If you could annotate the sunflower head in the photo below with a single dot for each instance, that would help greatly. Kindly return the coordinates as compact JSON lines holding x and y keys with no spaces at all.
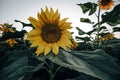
{"x":107,"y":37}
{"x":4,"y":28}
{"x":106,"y":4}
{"x":11,"y":42}
{"x":50,"y":32}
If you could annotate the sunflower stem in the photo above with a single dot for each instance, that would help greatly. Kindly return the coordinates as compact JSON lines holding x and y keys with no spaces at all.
{"x":51,"y":73}
{"x":57,"y":70}
{"x":98,"y":28}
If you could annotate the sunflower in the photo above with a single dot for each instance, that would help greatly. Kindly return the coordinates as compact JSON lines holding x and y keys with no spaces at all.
{"x":4,"y":29}
{"x":11,"y":41}
{"x":49,"y":33}
{"x":105,"y":4}
{"x":107,"y":37}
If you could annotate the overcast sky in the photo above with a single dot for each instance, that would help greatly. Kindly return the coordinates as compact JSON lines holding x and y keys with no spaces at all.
{"x":23,"y":9}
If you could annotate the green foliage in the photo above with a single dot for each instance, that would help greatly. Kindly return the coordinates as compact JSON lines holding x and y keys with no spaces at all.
{"x":24,"y":24}
{"x":85,"y":20}
{"x":116,"y":29}
{"x":95,"y":63}
{"x":85,"y":39}
{"x":91,"y":7}
{"x":80,"y":32}
{"x":113,"y":17}
{"x":19,"y":65}
{"x":16,"y":34}
{"x":90,"y":32}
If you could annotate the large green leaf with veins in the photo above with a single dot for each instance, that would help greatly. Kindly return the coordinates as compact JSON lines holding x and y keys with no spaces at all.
{"x":95,"y":63}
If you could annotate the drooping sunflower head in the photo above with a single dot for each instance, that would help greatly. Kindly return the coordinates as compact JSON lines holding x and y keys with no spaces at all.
{"x":107,"y":37}
{"x":106,"y":4}
{"x":4,"y":28}
{"x":11,"y":42}
{"x":50,"y":32}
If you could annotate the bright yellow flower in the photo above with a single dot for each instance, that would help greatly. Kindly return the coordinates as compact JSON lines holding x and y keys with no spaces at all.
{"x":106,"y":4}
{"x":11,"y":41}
{"x":49,"y":32}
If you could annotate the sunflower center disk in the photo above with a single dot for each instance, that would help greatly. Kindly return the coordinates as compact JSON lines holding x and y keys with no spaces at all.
{"x":105,"y":2}
{"x":51,"y":33}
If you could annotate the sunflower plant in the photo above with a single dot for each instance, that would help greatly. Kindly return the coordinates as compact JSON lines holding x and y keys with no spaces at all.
{"x":49,"y":52}
{"x":106,"y":12}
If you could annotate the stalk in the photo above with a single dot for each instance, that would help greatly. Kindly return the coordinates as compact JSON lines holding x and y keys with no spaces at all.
{"x":98,"y":28}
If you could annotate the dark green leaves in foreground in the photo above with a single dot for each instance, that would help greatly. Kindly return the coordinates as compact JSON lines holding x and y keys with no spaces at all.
{"x":17,"y":65}
{"x":20,"y":64}
{"x":95,"y":63}
{"x":91,"y":7}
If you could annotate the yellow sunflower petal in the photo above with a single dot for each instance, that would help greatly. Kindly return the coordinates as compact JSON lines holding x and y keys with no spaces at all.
{"x":55,"y":48}
{"x":40,"y":20}
{"x":47,"y":49}
{"x":34,"y":22}
{"x":62,"y":21}
{"x":56,"y":17}
{"x":62,"y":44}
{"x":40,"y":49}
{"x":66,"y":26}
{"x":47,"y":12}
{"x":33,"y":38}
{"x":66,"y":33}
{"x":34,"y":32}
{"x":44,"y":17}
{"x":51,"y":15}
{"x":35,"y":43}
{"x":65,"y":40}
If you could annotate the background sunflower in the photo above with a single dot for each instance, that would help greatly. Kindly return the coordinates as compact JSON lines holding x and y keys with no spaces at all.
{"x":106,"y":4}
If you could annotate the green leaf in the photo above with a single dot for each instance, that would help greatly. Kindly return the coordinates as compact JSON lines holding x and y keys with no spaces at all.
{"x":30,"y":70}
{"x":91,"y":7}
{"x":85,"y":39}
{"x":84,"y":46}
{"x":104,"y":34}
{"x":92,"y":31}
{"x":80,"y":32}
{"x":84,"y":8}
{"x":17,"y":65}
{"x":114,"y":24}
{"x":86,"y":20}
{"x":24,"y":24}
{"x":16,"y":34}
{"x":102,"y":27}
{"x":116,"y":29}
{"x":113,"y":17}
{"x":95,"y":63}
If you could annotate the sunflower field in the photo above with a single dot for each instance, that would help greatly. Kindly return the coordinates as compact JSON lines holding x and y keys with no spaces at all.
{"x":50,"y":52}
